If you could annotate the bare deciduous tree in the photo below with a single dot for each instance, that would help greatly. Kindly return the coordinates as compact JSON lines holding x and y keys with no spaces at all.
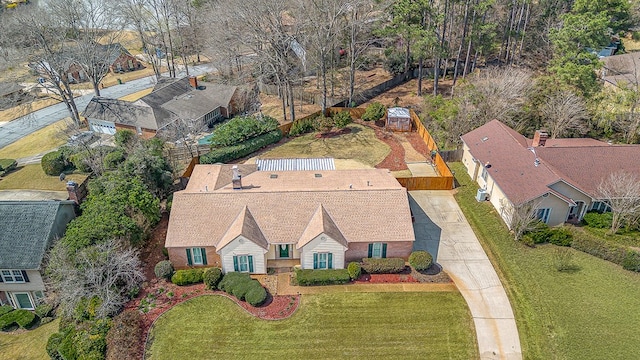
{"x":522,"y":218}
{"x":621,"y":190}
{"x":565,"y":112}
{"x":108,"y":271}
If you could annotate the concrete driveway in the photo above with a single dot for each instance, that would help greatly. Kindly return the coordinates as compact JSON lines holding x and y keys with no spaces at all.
{"x":442,"y":229}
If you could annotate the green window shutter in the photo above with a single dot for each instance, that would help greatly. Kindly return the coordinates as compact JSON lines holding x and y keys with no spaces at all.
{"x":250,"y":263}
{"x":384,"y":250}
{"x":330,"y":259}
{"x":370,"y":251}
{"x":189,"y":260}
{"x":315,"y":261}
{"x":203,"y":251}
{"x":235,"y":264}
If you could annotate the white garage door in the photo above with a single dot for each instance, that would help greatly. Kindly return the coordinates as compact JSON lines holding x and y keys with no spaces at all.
{"x":105,"y":127}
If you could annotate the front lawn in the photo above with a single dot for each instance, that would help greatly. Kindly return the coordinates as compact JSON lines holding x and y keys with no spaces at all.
{"x":32,"y":177}
{"x":339,"y":325}
{"x":591,"y":313}
{"x":40,"y":141}
{"x":27,"y":345}
{"x":360,"y":144}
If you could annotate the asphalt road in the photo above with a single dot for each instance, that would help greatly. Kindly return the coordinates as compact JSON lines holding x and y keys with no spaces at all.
{"x":25,"y":125}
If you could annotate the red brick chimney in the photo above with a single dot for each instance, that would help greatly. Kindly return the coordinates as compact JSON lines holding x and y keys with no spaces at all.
{"x":193,"y":81}
{"x":540,"y":138}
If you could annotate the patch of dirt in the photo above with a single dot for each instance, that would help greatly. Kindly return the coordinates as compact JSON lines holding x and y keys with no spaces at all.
{"x":407,"y":94}
{"x":151,"y":253}
{"x":332,"y":134}
{"x":160,"y":295}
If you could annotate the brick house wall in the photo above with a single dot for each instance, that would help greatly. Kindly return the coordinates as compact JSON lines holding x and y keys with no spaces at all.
{"x":178,"y":257}
{"x":126,"y":62}
{"x":398,"y":249}
{"x":146,"y":133}
{"x":76,"y":73}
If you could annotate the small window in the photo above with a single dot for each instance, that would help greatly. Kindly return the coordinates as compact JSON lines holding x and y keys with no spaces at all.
{"x":376,"y":251}
{"x":197,"y":256}
{"x":543,"y":214}
{"x":243,"y":263}
{"x":484,"y":174}
{"x":323,"y":261}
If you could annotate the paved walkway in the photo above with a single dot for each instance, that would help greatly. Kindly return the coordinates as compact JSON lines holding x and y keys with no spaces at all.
{"x":442,"y":229}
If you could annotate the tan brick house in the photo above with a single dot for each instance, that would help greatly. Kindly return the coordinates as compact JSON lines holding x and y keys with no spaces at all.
{"x":255,"y":220}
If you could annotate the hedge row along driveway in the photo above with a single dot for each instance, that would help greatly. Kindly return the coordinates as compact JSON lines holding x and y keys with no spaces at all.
{"x":342,"y":325}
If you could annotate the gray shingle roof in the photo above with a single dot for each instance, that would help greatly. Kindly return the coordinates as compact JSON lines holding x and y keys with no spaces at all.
{"x":120,"y":112}
{"x":26,"y":232}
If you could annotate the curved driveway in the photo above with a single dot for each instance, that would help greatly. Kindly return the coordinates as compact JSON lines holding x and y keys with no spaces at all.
{"x":442,"y":229}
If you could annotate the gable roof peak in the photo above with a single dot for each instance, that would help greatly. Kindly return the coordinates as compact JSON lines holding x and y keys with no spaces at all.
{"x":321,"y":223}
{"x":244,"y":225}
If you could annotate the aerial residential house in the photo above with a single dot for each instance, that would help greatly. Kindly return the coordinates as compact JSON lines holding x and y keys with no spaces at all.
{"x":622,"y":71}
{"x":29,"y":229}
{"x":242,"y":219}
{"x":172,"y":106}
{"x":559,"y":176}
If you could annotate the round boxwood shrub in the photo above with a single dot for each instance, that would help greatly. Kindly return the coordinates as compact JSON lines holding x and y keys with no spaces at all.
{"x":354,"y":270}
{"x":420,"y":260}
{"x":212,"y":277}
{"x":163,"y":269}
{"x":374,"y":112}
{"x":53,"y":163}
{"x":342,"y":119}
{"x":256,"y":294}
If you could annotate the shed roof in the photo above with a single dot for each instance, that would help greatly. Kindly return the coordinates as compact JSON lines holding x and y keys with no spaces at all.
{"x":398,"y":112}
{"x":295,"y":164}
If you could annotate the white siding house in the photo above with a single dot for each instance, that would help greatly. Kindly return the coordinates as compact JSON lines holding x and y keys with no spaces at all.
{"x":244,"y":255}
{"x":312,"y":258}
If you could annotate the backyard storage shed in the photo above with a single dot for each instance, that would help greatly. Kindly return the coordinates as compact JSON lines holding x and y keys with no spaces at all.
{"x":398,"y":119}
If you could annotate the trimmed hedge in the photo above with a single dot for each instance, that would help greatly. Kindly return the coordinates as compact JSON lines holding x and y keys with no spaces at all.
{"x":44,"y":310}
{"x":310,"y":277}
{"x":600,"y":248}
{"x":631,"y":260}
{"x":354,"y":269}
{"x":420,"y":260}
{"x":4,"y":309}
{"x":374,"y":112}
{"x":187,"y":277}
{"x":597,"y":220}
{"x":7,"y":165}
{"x":383,"y":266}
{"x":240,"y":129}
{"x":53,"y":163}
{"x":212,"y":277}
{"x":24,"y":319}
{"x":163,"y":269}
{"x":230,"y":153}
{"x":560,"y":236}
{"x":243,"y":287}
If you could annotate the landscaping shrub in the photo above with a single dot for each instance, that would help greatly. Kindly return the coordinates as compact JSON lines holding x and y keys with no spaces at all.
{"x":44,"y":310}
{"x":230,"y":280}
{"x":597,"y":220}
{"x":53,"y":344}
{"x":309,"y":277}
{"x":420,"y":260}
{"x":599,"y":248}
{"x":212,"y":277}
{"x":240,"y":129}
{"x":21,"y":317}
{"x":374,"y":112}
{"x":342,"y":119}
{"x":53,"y":163}
{"x":560,"y":236}
{"x":563,"y":259}
{"x":5,"y":309}
{"x":80,"y":341}
{"x":354,"y":269}
{"x":631,"y":260}
{"x":541,"y":235}
{"x":230,"y":153}
{"x":113,"y":159}
{"x":46,"y":320}
{"x":240,"y":289}
{"x":256,"y":294}
{"x":303,"y":126}
{"x":124,"y":138}
{"x":163,"y":269}
{"x":383,"y":266}
{"x":7,"y":165}
{"x":124,"y":336}
{"x":325,"y":123}
{"x":187,"y":277}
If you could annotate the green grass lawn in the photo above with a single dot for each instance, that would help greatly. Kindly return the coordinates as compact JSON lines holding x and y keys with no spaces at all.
{"x":623,"y":237}
{"x":37,"y":142}
{"x":33,"y":177}
{"x":361,"y":145}
{"x":326,"y":326}
{"x":591,"y":313}
{"x":28,"y":345}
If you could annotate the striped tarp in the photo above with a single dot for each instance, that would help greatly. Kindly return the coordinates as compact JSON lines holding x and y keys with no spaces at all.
{"x":295,"y":164}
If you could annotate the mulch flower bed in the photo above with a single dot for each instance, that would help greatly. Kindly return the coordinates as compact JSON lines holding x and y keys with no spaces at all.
{"x":158,"y":296}
{"x":385,"y":278}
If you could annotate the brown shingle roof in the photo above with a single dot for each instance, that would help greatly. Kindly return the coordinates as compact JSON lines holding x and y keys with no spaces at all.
{"x":283,"y":207}
{"x":246,"y":226}
{"x":320,"y":223}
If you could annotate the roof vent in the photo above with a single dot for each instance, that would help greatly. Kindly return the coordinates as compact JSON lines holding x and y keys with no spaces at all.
{"x":485,"y":138}
{"x":273,"y":176}
{"x":318,"y":175}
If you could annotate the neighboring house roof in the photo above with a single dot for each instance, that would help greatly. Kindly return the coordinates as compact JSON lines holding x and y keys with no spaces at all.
{"x":120,"y":112}
{"x":622,"y":69}
{"x":582,"y":163}
{"x":7,"y":88}
{"x":113,"y":51}
{"x":26,"y":232}
{"x":351,"y":205}
{"x":295,"y":164}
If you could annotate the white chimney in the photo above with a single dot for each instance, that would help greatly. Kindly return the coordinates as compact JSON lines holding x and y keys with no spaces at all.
{"x":236,"y":180}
